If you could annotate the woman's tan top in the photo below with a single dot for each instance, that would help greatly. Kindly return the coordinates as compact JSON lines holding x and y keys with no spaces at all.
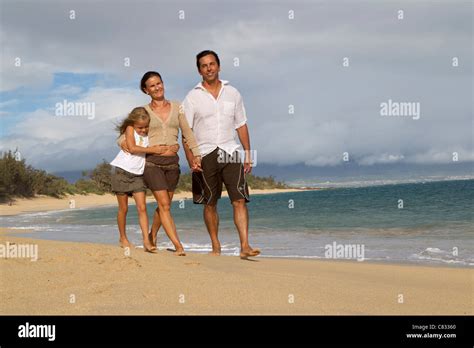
{"x":166,"y":132}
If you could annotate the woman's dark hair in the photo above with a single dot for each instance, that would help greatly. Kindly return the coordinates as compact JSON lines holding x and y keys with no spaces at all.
{"x":146,"y":77}
{"x":205,"y":53}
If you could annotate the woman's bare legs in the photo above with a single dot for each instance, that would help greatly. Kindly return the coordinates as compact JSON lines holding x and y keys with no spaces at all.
{"x":122,"y":220}
{"x":155,"y":227}
{"x":164,"y":207}
{"x":140,"y":201}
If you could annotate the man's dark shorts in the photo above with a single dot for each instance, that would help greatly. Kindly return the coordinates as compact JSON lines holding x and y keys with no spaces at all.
{"x":218,"y":167}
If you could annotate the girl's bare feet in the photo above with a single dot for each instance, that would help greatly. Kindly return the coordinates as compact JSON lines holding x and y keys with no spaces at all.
{"x":124,"y":243}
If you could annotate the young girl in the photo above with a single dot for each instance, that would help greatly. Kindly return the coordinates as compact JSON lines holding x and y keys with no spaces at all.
{"x":127,"y":179}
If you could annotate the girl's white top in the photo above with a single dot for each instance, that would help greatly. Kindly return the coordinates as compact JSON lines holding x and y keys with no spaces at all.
{"x":132,"y":163}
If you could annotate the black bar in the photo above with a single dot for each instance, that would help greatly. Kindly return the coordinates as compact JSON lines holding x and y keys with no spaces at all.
{"x":221,"y":330}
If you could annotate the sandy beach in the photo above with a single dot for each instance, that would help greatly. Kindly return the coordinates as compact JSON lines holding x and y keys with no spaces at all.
{"x":82,"y":278}
{"x":45,"y":203}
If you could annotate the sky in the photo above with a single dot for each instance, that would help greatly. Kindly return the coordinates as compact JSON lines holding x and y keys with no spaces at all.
{"x":313,"y":75}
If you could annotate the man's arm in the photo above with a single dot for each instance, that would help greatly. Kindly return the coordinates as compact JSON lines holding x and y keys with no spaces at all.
{"x":243,"y":133}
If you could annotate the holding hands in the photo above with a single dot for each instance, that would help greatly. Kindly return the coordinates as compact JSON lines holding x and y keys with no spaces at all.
{"x":195,"y":164}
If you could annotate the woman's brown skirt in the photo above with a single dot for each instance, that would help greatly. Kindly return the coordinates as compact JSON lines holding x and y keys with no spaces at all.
{"x":161,"y":172}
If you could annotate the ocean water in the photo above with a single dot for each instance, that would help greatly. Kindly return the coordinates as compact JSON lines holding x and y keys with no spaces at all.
{"x":435,"y":225}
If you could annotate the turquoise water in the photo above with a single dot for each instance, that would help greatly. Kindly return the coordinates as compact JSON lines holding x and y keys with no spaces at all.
{"x":434,"y":226}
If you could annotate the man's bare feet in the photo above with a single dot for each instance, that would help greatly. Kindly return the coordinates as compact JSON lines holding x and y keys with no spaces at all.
{"x":216,"y":249}
{"x":249,"y":252}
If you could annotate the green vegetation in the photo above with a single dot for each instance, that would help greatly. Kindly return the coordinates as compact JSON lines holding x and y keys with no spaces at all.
{"x":264,"y":183}
{"x":20,"y":180}
{"x":97,"y":181}
{"x":255,"y":182}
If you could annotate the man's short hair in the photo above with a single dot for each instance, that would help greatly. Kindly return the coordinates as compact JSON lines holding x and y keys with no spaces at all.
{"x":205,"y":53}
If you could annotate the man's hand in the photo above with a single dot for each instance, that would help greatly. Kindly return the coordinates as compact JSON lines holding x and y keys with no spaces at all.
{"x":243,"y":133}
{"x":197,"y":164}
{"x":247,"y":164}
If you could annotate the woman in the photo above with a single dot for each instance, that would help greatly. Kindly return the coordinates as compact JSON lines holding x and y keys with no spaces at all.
{"x":162,"y":171}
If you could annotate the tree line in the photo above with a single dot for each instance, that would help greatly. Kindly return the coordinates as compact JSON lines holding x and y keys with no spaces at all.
{"x":17,"y":179}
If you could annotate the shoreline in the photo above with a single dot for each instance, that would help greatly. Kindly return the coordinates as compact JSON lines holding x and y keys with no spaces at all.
{"x":12,"y":232}
{"x":103,"y":280}
{"x":46,"y":203}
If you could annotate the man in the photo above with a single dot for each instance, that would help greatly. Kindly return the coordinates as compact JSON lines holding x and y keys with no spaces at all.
{"x":214,"y":111}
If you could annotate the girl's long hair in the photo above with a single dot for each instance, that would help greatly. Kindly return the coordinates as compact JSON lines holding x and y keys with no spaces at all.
{"x":137,"y":114}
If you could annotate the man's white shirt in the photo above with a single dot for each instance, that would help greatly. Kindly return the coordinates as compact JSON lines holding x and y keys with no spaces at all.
{"x":214,"y":121}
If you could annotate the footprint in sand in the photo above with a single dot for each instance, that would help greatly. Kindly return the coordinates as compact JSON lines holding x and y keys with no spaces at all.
{"x":124,"y":263}
{"x":192,"y":263}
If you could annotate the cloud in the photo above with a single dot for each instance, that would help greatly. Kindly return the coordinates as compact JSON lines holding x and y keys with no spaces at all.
{"x":282,"y":62}
{"x":67,"y":90}
{"x":73,"y":142}
{"x":8,"y":103}
{"x":457,"y":155}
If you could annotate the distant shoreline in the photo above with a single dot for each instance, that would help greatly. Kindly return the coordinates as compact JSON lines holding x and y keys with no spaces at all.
{"x":377,"y":182}
{"x":46,"y":203}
